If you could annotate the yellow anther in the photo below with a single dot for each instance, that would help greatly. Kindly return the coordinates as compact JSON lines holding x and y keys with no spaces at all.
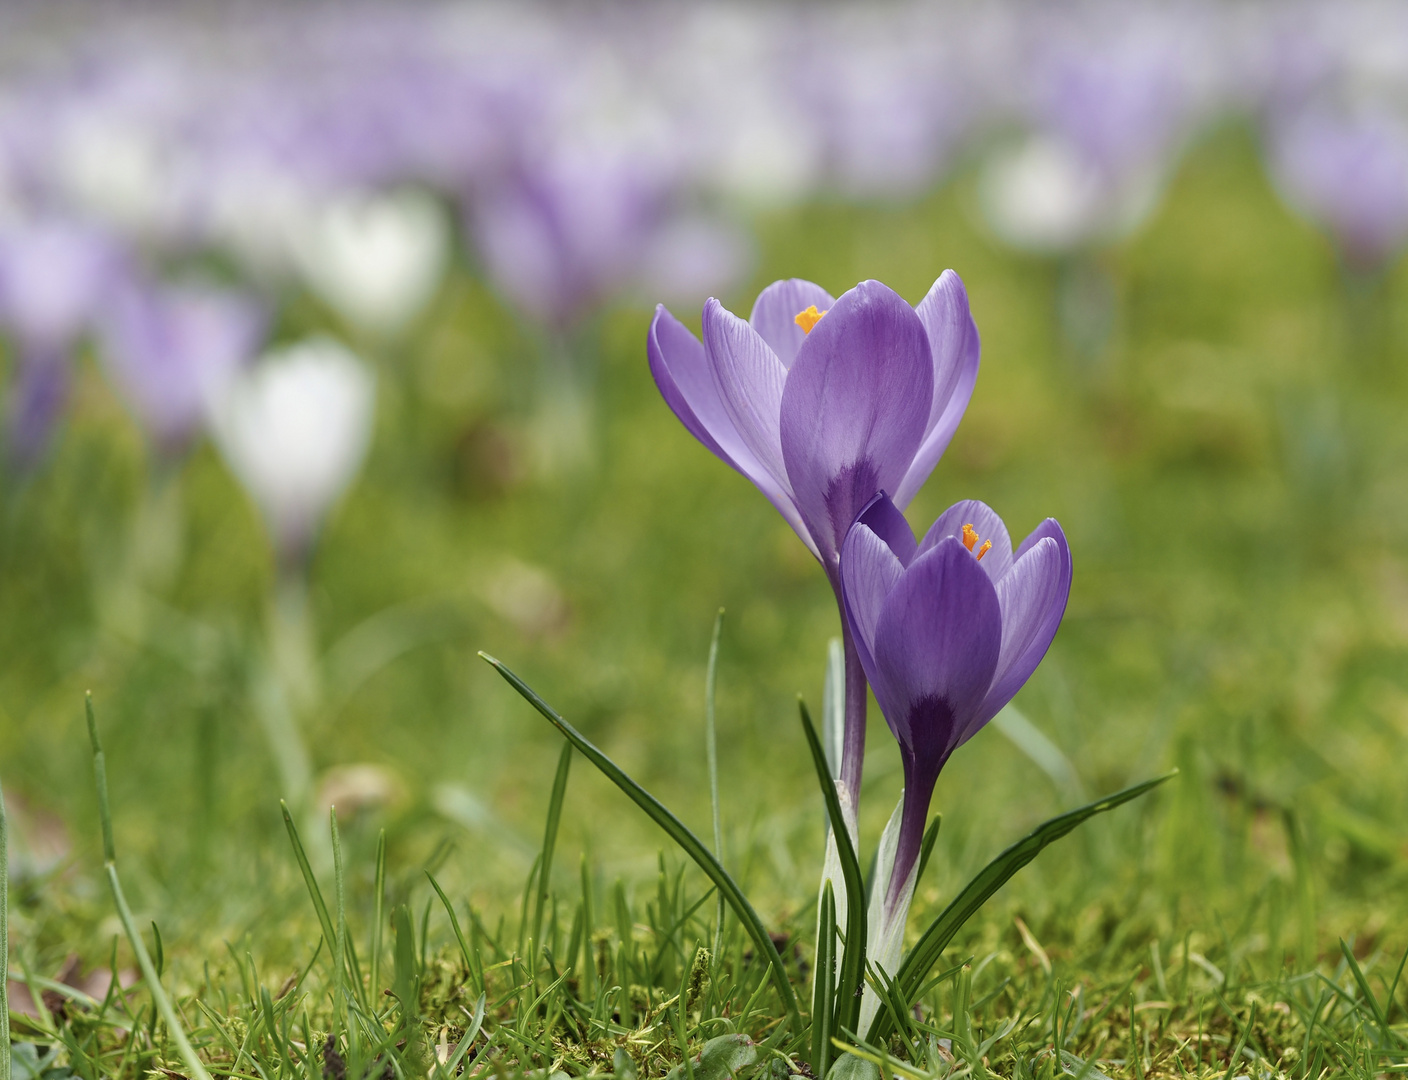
{"x":809,"y":318}
{"x":970,"y":537}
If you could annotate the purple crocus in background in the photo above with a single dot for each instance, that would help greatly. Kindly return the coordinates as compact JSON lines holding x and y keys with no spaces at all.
{"x":1348,"y":173}
{"x":54,"y":272}
{"x":171,"y":350}
{"x":822,"y":403}
{"x":948,"y":630}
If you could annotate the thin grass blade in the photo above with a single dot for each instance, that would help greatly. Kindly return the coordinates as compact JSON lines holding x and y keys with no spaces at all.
{"x":319,"y":904}
{"x":174,"y":1029}
{"x":823,"y":991}
{"x":378,"y":900}
{"x":850,"y":982}
{"x":690,"y":844}
{"x":559,"y":792}
{"x":920,"y":960}
{"x":711,"y":746}
{"x":470,"y":959}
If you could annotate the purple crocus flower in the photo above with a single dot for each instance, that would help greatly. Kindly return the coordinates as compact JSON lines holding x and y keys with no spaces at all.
{"x":171,"y":349}
{"x":822,"y":403}
{"x":54,"y":273}
{"x":947,"y":630}
{"x":1349,"y":173}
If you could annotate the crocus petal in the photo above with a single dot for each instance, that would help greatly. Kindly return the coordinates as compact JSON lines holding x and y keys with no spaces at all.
{"x":854,"y":408}
{"x":936,"y":647}
{"x":749,"y":379}
{"x":775,"y":315}
{"x":884,"y":519}
{"x":681,"y":370}
{"x":953,"y":342}
{"x":1033,"y":597}
{"x":986,"y":524}
{"x":869,"y":571}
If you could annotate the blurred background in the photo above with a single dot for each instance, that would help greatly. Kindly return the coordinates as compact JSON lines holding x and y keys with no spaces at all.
{"x":323,"y":368}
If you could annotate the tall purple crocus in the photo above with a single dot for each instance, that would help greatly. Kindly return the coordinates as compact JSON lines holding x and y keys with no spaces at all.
{"x":947,"y":630}
{"x":822,"y":403}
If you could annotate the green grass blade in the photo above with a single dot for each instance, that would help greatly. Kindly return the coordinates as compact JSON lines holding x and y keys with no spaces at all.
{"x":4,"y":942}
{"x":849,"y":984}
{"x":711,"y":746}
{"x":823,"y":990}
{"x":677,"y":831}
{"x":174,"y":1028}
{"x":920,"y":960}
{"x":559,"y":792}
{"x":378,"y":900}
{"x":339,"y":967}
{"x":319,"y":905}
{"x":469,"y":957}
{"x":588,"y":927}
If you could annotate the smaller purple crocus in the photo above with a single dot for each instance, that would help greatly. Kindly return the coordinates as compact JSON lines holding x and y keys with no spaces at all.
{"x":948,"y":630}
{"x":821,"y":403}
{"x":171,"y":350}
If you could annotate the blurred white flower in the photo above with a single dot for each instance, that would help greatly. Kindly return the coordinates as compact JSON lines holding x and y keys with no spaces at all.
{"x":1043,"y":195}
{"x":377,"y":259}
{"x":294,"y":430}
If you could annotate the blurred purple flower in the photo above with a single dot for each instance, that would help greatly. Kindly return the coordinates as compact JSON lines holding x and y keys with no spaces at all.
{"x":171,"y":350}
{"x":566,"y":229}
{"x":1350,"y":175}
{"x":822,"y":403}
{"x":947,"y":630}
{"x":54,"y":273}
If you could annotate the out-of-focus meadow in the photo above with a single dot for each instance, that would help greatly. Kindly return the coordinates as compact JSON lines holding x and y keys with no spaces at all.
{"x":1198,"y":362}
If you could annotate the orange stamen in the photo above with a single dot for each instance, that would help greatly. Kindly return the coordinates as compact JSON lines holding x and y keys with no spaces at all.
{"x":970,"y":537}
{"x":809,"y":318}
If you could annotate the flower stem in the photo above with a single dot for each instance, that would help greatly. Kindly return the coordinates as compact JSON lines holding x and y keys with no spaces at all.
{"x":853,"y":746}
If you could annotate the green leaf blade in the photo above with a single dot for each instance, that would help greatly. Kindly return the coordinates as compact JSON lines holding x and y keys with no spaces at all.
{"x":919,"y":961}
{"x":676,"y":829}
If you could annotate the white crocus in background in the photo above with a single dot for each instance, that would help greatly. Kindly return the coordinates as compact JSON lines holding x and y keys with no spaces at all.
{"x":1043,"y":195}
{"x":294,"y":430}
{"x":377,"y":259}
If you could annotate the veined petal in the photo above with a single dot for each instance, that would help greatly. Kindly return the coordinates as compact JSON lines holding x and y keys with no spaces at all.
{"x":986,"y":524}
{"x":680,"y":366}
{"x":775,"y":313}
{"x":854,"y":408}
{"x":681,"y":372}
{"x":955,"y":347}
{"x":749,"y":380}
{"x":937,"y":643}
{"x":869,"y":571}
{"x":1033,"y":598}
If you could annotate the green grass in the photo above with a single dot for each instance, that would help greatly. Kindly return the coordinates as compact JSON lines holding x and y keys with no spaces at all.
{"x":1230,"y":469}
